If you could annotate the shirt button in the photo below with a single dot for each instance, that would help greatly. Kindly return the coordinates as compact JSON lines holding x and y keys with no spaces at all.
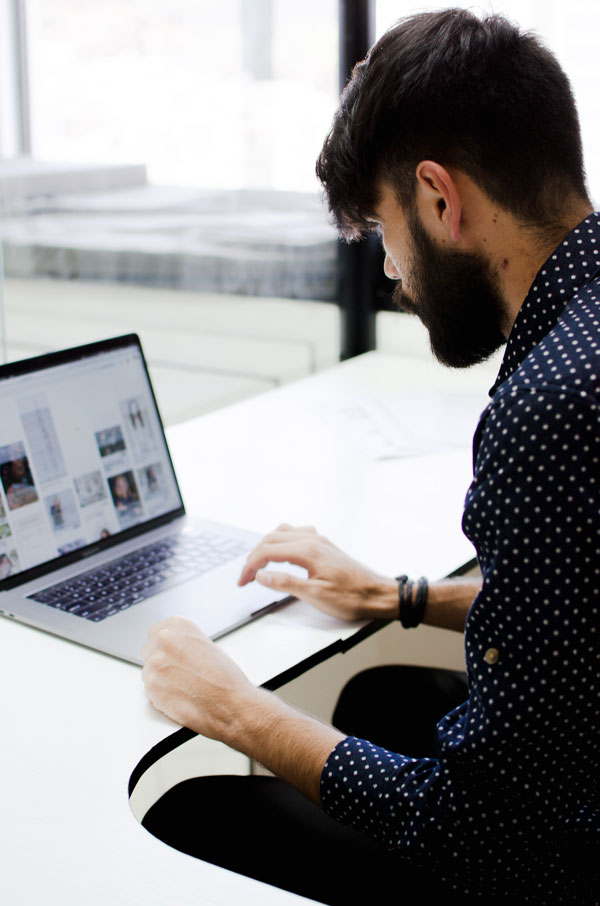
{"x":491,"y":656}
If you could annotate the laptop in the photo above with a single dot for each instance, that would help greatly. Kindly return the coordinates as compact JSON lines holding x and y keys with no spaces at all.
{"x":95,"y":544}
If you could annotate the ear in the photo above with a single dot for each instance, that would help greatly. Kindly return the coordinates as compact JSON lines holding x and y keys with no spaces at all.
{"x":438,"y":200}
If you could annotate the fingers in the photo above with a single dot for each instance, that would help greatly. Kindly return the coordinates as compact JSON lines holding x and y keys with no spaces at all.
{"x":282,"y":582}
{"x":287,"y":536}
{"x":284,"y":534}
{"x":279,"y":550}
{"x":286,"y":527}
{"x":172,"y":625}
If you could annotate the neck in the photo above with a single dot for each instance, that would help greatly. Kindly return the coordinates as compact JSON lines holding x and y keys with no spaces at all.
{"x":520,"y":253}
{"x":515,"y":251}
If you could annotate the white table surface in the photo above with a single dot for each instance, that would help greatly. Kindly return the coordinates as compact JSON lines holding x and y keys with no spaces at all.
{"x":75,"y":721}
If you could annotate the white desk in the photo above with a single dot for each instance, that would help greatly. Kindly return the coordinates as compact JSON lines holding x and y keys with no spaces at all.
{"x":75,"y":722}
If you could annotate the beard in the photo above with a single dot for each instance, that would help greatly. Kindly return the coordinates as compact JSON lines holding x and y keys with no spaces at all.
{"x":457,"y":298}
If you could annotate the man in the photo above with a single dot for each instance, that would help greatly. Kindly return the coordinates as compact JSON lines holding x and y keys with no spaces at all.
{"x":457,"y":138}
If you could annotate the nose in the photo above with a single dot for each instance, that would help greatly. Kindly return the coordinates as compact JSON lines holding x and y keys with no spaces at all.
{"x":390,"y":269}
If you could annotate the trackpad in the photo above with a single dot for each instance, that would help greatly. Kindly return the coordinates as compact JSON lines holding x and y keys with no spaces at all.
{"x":214,"y":600}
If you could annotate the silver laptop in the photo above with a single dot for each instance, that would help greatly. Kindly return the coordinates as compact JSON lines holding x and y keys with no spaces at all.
{"x":95,"y":545}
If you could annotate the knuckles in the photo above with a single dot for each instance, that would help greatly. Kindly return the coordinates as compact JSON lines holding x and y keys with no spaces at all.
{"x":165,"y":642}
{"x":313,"y":548}
{"x":157,"y":664}
{"x":181,"y":623}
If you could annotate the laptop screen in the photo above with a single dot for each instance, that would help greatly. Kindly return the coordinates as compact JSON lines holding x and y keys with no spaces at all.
{"x":83,"y":457}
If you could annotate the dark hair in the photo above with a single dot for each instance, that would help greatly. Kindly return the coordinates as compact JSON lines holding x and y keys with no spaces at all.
{"x":476,"y":94}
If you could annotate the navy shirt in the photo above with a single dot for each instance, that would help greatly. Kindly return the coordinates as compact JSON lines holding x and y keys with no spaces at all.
{"x":511,"y":805}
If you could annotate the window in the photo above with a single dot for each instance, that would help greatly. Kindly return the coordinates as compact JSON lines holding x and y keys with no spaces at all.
{"x":235,"y":94}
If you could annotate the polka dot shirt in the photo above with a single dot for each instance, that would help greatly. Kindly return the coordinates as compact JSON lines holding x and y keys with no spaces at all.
{"x":511,"y":805}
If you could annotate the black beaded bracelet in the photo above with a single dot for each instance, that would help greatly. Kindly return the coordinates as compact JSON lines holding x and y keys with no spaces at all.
{"x":411,"y":614}
{"x":418,"y":611}
{"x":402,"y":582}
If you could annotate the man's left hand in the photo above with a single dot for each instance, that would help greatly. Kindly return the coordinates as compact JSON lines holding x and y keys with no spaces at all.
{"x":191,"y":680}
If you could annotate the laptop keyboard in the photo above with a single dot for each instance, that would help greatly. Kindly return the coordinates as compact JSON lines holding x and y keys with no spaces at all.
{"x":115,"y":586}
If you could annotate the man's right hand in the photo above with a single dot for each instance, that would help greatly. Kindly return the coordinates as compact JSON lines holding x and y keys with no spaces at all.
{"x":336,"y":584}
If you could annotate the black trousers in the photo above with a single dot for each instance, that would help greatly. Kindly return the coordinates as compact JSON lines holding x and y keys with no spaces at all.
{"x":261,"y":827}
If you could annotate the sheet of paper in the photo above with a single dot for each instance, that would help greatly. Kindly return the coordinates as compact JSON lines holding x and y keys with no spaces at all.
{"x":407,"y":424}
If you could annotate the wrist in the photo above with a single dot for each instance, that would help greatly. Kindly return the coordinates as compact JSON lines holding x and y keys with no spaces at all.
{"x":387,"y":599}
{"x":247,"y":716}
{"x":378,"y":600}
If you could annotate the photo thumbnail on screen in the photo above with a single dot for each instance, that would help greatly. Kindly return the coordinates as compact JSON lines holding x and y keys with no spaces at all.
{"x":125,"y":496}
{"x":16,"y":476}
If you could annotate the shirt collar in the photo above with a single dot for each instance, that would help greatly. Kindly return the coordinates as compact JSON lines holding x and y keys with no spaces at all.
{"x":570,"y":266}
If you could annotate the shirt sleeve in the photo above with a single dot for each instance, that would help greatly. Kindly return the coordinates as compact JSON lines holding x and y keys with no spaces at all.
{"x":516,"y":764}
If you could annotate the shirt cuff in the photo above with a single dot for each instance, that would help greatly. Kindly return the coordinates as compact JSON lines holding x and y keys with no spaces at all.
{"x":355,"y":784}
